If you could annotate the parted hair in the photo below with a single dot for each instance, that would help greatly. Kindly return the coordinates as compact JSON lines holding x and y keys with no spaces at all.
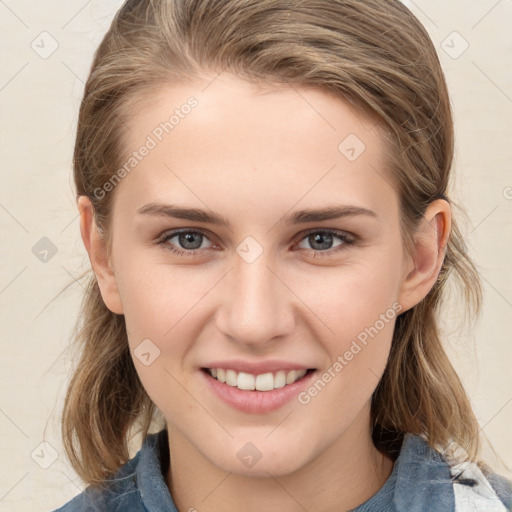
{"x":373,"y":54}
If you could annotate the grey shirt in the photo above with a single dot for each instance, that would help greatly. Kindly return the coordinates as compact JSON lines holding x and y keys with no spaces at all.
{"x":421,"y":481}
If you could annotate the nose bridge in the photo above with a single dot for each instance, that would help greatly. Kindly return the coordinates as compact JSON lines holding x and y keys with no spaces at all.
{"x":257,"y":306}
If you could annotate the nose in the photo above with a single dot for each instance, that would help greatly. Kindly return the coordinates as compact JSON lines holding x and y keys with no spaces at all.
{"x":256,"y":307}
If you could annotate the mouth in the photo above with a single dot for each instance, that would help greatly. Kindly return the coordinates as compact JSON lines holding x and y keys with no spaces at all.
{"x":268,"y":381}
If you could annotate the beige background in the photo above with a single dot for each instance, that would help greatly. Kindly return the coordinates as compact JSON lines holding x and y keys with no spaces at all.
{"x":39,"y":99}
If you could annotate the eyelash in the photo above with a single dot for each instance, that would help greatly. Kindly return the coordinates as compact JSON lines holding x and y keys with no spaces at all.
{"x":347,"y":240}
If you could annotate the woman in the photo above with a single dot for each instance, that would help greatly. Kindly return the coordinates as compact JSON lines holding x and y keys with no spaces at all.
{"x":262,"y":188}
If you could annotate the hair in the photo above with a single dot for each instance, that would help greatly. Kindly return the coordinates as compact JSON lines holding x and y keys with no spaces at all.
{"x":374,"y":55}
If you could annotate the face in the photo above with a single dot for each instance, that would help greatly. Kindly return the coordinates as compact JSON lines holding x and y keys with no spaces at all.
{"x":220,"y":263}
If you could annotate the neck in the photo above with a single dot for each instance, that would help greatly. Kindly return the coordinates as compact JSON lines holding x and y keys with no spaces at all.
{"x":342,"y":477}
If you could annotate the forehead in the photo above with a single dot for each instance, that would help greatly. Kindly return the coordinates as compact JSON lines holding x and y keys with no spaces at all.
{"x":226,"y":139}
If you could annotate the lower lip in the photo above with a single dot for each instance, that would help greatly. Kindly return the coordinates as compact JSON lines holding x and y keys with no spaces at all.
{"x":257,"y":402}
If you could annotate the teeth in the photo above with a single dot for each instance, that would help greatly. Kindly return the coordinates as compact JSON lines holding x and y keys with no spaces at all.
{"x":265,"y":382}
{"x":245,"y":381}
{"x":280,"y":379}
{"x":262,"y":382}
{"x":291,"y":377}
{"x":231,"y":378}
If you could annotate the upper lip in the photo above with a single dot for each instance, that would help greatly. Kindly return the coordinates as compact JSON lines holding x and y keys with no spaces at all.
{"x":257,"y":368}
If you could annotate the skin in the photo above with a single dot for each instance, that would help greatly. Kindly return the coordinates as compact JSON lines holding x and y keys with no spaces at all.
{"x":255,"y":155}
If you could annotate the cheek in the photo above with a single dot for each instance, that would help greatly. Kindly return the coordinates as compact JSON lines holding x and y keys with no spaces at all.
{"x":357,"y":358}
{"x":160,"y":307}
{"x":157,"y":297}
{"x":349,"y":298}
{"x":359,"y":306}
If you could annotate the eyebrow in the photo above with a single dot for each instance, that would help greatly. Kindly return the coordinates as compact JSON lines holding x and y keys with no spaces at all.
{"x":299,"y":217}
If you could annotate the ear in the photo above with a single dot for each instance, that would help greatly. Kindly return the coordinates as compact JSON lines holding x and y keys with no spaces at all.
{"x":96,"y":246}
{"x":429,"y":249}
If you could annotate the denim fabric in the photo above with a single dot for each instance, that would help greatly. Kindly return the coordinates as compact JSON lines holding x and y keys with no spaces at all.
{"x":139,"y":486}
{"x":420,"y":482}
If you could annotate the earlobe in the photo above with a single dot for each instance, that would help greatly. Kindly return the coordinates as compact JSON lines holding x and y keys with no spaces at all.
{"x":429,"y":249}
{"x":95,"y":244}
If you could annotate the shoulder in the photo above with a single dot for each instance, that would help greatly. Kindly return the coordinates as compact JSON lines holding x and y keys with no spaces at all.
{"x":123,"y":491}
{"x":137,"y":486}
{"x":118,"y":493}
{"x":461,"y":486}
{"x":426,"y":479}
{"x":476,"y":490}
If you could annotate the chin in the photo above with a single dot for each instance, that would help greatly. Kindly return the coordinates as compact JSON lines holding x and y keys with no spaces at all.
{"x":261,"y":459}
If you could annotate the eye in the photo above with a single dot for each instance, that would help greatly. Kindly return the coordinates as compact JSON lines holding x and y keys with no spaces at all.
{"x":189,"y":240}
{"x":322,"y":241}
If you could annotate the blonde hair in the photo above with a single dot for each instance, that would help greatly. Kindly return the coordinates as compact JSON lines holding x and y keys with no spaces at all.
{"x":375,"y":55}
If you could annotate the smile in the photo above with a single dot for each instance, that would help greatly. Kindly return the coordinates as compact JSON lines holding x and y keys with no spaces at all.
{"x":257,"y":393}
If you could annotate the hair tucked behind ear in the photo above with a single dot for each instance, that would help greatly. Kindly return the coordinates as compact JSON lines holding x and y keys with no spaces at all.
{"x":375,"y":55}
